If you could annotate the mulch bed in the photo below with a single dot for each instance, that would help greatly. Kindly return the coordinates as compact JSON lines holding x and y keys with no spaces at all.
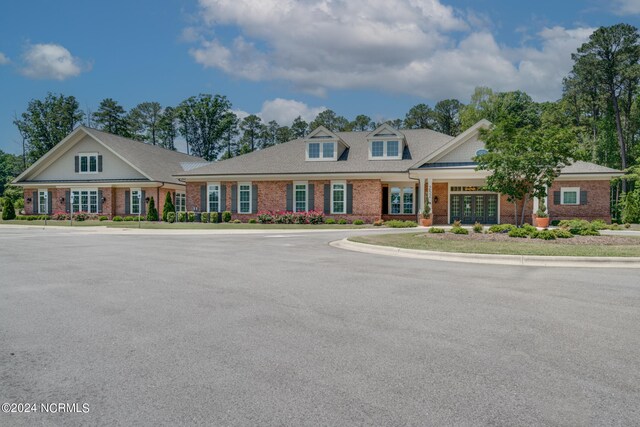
{"x":503,"y":237}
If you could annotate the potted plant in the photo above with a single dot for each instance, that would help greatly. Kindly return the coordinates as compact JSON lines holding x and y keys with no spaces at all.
{"x":542,"y":218}
{"x":426,"y":219}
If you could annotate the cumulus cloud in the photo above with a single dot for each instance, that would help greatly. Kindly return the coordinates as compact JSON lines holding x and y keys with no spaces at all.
{"x":284,"y":111}
{"x":626,"y":7}
{"x":419,"y":47}
{"x":3,"y":59}
{"x":50,"y":61}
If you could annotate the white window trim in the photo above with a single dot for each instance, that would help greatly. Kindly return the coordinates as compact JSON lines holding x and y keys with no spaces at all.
{"x":87,"y":155}
{"x":139,"y":190}
{"x":88,"y":190}
{"x":564,"y":190}
{"x":402,"y":187}
{"x":322,"y":158}
{"x":209,"y":185}
{"x":183,"y":195}
{"x":385,"y":143}
{"x":46,"y":204}
{"x":250,"y":198}
{"x":306,"y":195}
{"x":344,"y":183}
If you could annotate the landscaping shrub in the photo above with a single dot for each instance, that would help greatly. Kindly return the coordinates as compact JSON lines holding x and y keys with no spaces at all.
{"x":329,"y":221}
{"x":129,"y":218}
{"x":400,"y":224}
{"x":265,"y":217}
{"x":103,"y":218}
{"x":299,"y":218}
{"x":630,"y":204}
{"x":562,"y":234}
{"x":598,"y":224}
{"x":59,"y":216}
{"x":342,"y":221}
{"x":501,"y":228}
{"x":80,"y":216}
{"x":226,"y":216}
{"x":378,"y":223}
{"x":358,"y":222}
{"x":252,"y":221}
{"x":530,"y":228}
{"x":152,"y":212}
{"x":459,"y":230}
{"x":555,"y":222}
{"x":168,"y":207}
{"x":477,"y":227}
{"x":614,"y":226}
{"x":544,"y":235}
{"x":579,"y":226}
{"x":627,"y":225}
{"x":436,"y":230}
{"x":518,"y":232}
{"x":237,"y":221}
{"x":589,"y":232}
{"x":213,"y":217}
{"x":32,"y":217}
{"x":8,"y":211}
{"x":171,"y":217}
{"x":117,"y":218}
{"x":457,"y":223}
{"x":191,"y":216}
{"x":182,"y":216}
{"x":204,"y":217}
{"x":315,"y":217}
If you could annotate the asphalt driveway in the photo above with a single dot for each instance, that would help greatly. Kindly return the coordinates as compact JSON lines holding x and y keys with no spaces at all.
{"x":282,"y":329}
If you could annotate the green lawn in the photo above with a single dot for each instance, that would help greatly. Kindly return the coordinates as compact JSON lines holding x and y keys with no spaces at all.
{"x":191,"y":225}
{"x":513,"y":246}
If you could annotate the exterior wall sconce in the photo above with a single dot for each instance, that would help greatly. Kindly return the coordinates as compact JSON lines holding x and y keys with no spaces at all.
{"x":61,"y":199}
{"x":28,"y":199}
{"x":146,"y":199}
{"x":104,"y":199}
{"x":435,"y":200}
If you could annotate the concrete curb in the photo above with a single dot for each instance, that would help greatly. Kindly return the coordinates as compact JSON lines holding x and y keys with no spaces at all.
{"x":525,"y":260}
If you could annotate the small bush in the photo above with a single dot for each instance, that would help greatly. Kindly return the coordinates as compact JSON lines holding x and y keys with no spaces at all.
{"x":562,"y":234}
{"x":530,"y":228}
{"x":80,"y":216}
{"x":575,"y":226}
{"x":60,"y":216}
{"x":477,"y":227}
{"x":589,"y":232}
{"x":8,"y":211}
{"x":544,"y":235}
{"x":204,"y":217}
{"x":342,"y":221}
{"x":236,"y":221}
{"x":598,"y":224}
{"x":182,"y":216}
{"x":152,"y":212}
{"x":358,"y":222}
{"x":330,"y":221}
{"x":168,"y":208}
{"x":265,"y":217}
{"x":378,"y":223}
{"x":253,"y":221}
{"x":518,"y":232}
{"x":400,"y":224}
{"x":117,"y":218}
{"x":501,"y":228}
{"x":436,"y":230}
{"x":191,"y":216}
{"x":627,"y":225}
{"x":129,"y":218}
{"x":226,"y":216}
{"x":213,"y":217}
{"x":555,"y":222}
{"x":171,"y":217}
{"x":613,"y":226}
{"x":459,"y":230}
{"x":102,"y":218}
{"x":457,"y":223}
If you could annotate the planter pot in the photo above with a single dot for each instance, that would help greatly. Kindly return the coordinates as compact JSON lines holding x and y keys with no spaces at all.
{"x":426,"y":222}
{"x":542,"y":222}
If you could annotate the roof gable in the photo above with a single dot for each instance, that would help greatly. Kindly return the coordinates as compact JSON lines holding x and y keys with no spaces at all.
{"x":385,"y":131}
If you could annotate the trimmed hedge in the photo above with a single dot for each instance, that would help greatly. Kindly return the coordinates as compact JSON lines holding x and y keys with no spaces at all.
{"x":394,"y":223}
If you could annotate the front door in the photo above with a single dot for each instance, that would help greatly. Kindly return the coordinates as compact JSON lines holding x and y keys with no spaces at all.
{"x":471,"y":208}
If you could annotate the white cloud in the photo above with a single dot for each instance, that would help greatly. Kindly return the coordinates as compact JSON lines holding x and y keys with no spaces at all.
{"x":284,"y":111}
{"x":3,"y":59}
{"x":626,"y":7}
{"x":51,"y":61}
{"x":419,"y":47}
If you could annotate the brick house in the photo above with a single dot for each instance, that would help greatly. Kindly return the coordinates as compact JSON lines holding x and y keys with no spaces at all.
{"x":100,"y":173}
{"x":386,"y":173}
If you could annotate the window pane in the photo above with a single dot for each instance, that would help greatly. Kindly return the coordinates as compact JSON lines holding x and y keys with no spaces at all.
{"x":314,"y":150}
{"x":395,"y":200}
{"x":245,"y":199}
{"x":407,"y":199}
{"x":214,"y":198}
{"x":93,"y":202}
{"x":75,"y":201}
{"x":338,"y":198}
{"x":392,"y":148}
{"x":83,"y":164}
{"x":42,"y":202}
{"x":377,"y":149}
{"x":93,"y":164}
{"x":301,"y":198}
{"x":570,"y":197}
{"x":466,"y":212}
{"x":135,"y":202}
{"x":327,"y":149}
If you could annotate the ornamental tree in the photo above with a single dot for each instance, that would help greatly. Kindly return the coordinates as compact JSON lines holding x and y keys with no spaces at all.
{"x":152,"y":212}
{"x":168,"y":207}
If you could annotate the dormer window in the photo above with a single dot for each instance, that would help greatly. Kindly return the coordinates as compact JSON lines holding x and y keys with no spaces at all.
{"x":321,"y":151}
{"x":323,"y":145}
{"x":328,"y":150}
{"x":314,"y":150}
{"x":383,"y":150}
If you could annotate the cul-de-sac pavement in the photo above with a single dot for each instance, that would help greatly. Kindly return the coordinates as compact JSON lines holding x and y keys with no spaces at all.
{"x":152,"y":328}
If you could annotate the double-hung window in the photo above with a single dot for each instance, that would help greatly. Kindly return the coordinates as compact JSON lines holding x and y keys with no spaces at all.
{"x":314,"y":150}
{"x":338,"y":197}
{"x":88,"y":163}
{"x":244,"y":198}
{"x":214,"y":197}
{"x":401,"y":200}
{"x":136,"y":200}
{"x":84,"y":201}
{"x":181,"y":202}
{"x":321,"y":150}
{"x":301,"y":190}
{"x":43,"y":202}
{"x":385,"y":150}
{"x":328,"y":149}
{"x":570,"y":195}
{"x":377,"y":148}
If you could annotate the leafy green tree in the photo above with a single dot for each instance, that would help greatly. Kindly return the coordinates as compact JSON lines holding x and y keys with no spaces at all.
{"x":299,"y":128}
{"x":168,"y":207}
{"x":203,"y":125}
{"x":270,"y":134}
{"x":10,"y":167}
{"x":479,"y":107}
{"x":144,"y":121}
{"x":111,"y":117}
{"x":8,"y":212}
{"x":362,"y":123}
{"x":253,"y":131}
{"x":47,"y":122}
{"x":419,"y":117}
{"x":152,"y":212}
{"x":446,"y":117}
{"x":230,"y":137}
{"x":167,"y":130}
{"x":284,"y":134}
{"x":330,"y":120}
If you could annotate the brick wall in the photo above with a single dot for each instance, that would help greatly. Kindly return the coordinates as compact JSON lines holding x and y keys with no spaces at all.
{"x":598,"y":200}
{"x":441,"y":209}
{"x":507,"y":211}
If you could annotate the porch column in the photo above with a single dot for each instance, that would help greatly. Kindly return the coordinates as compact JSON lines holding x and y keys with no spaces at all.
{"x":421,"y":195}
{"x":430,"y":194}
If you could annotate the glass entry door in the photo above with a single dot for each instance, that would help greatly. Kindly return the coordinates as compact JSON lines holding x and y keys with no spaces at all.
{"x":471,"y":208}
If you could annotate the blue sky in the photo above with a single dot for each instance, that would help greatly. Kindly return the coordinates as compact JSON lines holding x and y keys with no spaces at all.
{"x":283,"y":58}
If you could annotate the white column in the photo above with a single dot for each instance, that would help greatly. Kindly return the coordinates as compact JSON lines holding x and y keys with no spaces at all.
{"x":430,"y":193}
{"x":536,"y":204}
{"x":421,"y":195}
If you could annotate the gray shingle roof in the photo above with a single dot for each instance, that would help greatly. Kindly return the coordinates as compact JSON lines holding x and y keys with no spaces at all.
{"x":289,"y":158}
{"x":160,"y":164}
{"x":580,"y":167}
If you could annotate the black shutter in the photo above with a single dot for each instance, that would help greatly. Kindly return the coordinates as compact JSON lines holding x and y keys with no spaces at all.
{"x":556,"y":198}
{"x":100,"y":163}
{"x":254,"y":198}
{"x":67,"y":201}
{"x":50,"y":203}
{"x":310,"y":197}
{"x":203,"y":198}
{"x":77,"y":160}
{"x":35,"y":205}
{"x":143,"y":203}
{"x":385,"y":200}
{"x":234,"y":198}
{"x":583,"y":197}
{"x":349,"y":198}
{"x":127,"y":202}
{"x":327,"y":199}
{"x":289,"y":197}
{"x":223,"y":198}
{"x":100,"y":201}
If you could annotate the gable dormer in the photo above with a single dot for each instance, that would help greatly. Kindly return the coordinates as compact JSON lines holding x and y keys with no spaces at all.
{"x":323,"y":145}
{"x":386,"y":143}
